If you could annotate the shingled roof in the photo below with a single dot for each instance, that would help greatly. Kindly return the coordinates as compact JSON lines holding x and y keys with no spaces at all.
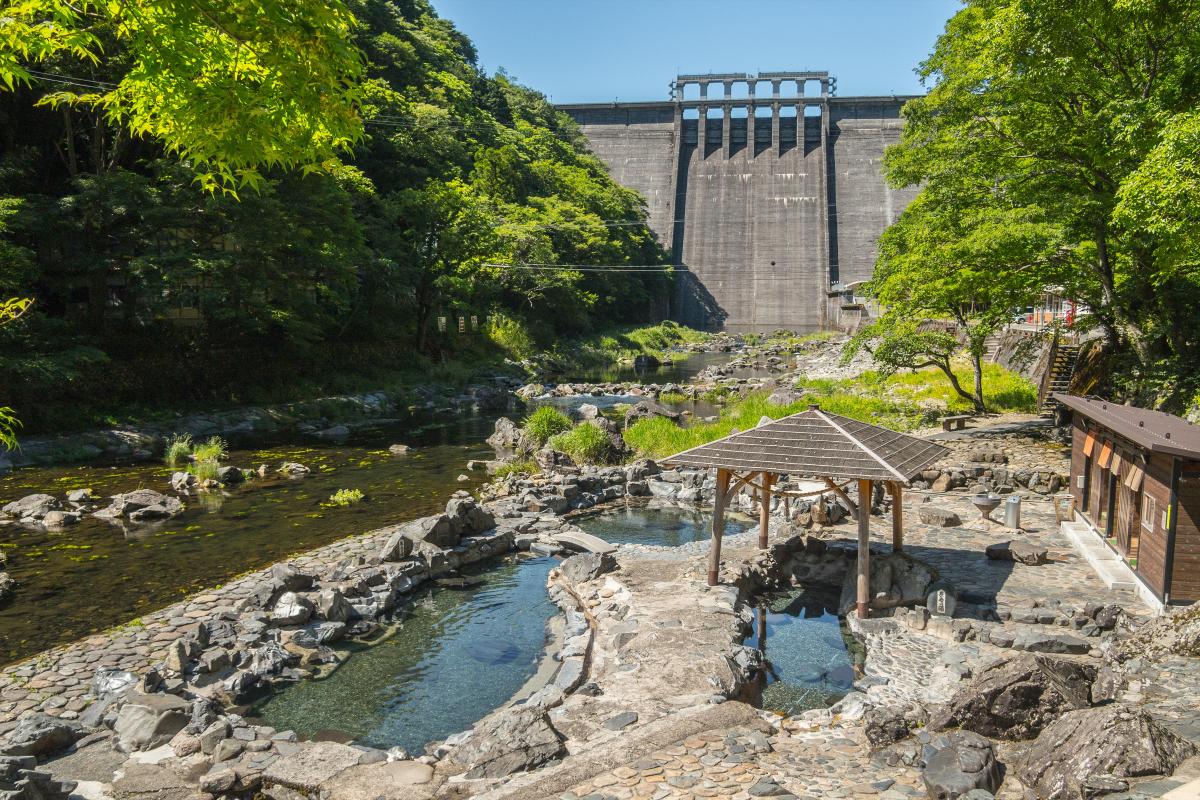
{"x":818,"y":444}
{"x":1151,"y":430}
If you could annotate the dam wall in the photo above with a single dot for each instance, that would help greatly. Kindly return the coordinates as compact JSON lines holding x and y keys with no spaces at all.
{"x":770,"y":204}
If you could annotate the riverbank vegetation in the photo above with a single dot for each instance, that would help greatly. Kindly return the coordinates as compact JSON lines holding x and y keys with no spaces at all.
{"x":901,"y":401}
{"x":428,"y":237}
{"x":1056,"y":152}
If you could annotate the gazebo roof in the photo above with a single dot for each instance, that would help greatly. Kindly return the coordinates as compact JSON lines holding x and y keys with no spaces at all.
{"x":820,"y":444}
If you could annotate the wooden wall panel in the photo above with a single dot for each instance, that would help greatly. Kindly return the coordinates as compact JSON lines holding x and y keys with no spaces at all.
{"x":1152,"y":548}
{"x":1185,"y":571}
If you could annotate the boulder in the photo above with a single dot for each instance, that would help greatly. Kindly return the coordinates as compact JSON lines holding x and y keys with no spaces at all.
{"x":647,"y":409}
{"x":470,"y":518}
{"x":60,"y":519}
{"x":897,"y":579}
{"x":32,"y":508}
{"x":550,"y":459}
{"x":509,"y":439}
{"x":1015,"y":698}
{"x":586,"y":566}
{"x":230,"y":476}
{"x":512,"y":740}
{"x":1020,"y":552}
{"x":19,"y":780}
{"x":941,"y":483}
{"x":41,"y":735}
{"x":293,"y":470}
{"x":941,"y":517}
{"x":884,"y":725}
{"x":285,"y":577}
{"x":960,"y":763}
{"x":1082,"y":750}
{"x":291,"y":609}
{"x":399,"y":449}
{"x":149,"y":720}
{"x":183,"y":481}
{"x":332,"y":606}
{"x":439,"y":531}
{"x":397,"y":548}
{"x":588,"y":411}
{"x":141,"y":505}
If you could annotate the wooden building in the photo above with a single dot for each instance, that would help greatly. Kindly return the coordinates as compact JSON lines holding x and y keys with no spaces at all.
{"x":1135,"y":478}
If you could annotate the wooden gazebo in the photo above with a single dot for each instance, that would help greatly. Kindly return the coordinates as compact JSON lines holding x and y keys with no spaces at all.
{"x":815,"y":444}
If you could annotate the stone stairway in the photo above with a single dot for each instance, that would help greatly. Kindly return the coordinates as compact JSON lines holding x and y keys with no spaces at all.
{"x":1061,"y":370}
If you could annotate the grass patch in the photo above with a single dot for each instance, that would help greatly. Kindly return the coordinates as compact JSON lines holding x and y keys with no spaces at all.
{"x":520,"y":467}
{"x":672,"y":397}
{"x":584,"y":443}
{"x":627,"y":343}
{"x":179,"y":447}
{"x":901,"y":402}
{"x":204,"y":470}
{"x":546,"y":422}
{"x":212,"y":449}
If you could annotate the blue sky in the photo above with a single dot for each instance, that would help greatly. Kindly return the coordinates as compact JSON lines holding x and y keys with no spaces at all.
{"x":578,"y":51}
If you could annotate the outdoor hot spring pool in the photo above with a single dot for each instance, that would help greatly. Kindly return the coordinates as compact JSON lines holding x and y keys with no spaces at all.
{"x":670,"y":526}
{"x":453,"y":657}
{"x":811,"y":663}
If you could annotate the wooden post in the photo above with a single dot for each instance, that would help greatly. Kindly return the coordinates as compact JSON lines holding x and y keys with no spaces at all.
{"x":897,"y":517}
{"x":718,"y":526}
{"x":764,"y":511}
{"x":864,"y":548}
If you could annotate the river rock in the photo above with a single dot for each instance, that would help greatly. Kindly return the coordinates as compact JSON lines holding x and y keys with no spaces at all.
{"x":19,"y":780}
{"x":286,"y":577}
{"x":647,"y":409}
{"x":513,"y":740}
{"x":293,"y":470}
{"x":587,"y":411}
{"x":41,"y":735}
{"x":960,"y":762}
{"x":509,"y":439}
{"x":8,"y":587}
{"x":1020,"y":552}
{"x":941,"y":517}
{"x":586,"y":566}
{"x":332,"y":606}
{"x":60,"y":519}
{"x":1014,"y":699}
{"x":397,"y":548}
{"x":469,"y":515}
{"x":399,"y":449}
{"x":141,"y":505}
{"x":230,"y":476}
{"x":32,"y":508}
{"x":149,"y":720}
{"x":183,"y":481}
{"x":439,"y":531}
{"x":291,"y":609}
{"x":1086,"y":746}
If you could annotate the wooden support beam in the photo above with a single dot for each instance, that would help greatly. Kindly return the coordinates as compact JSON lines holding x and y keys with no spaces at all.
{"x":864,"y":552}
{"x":897,"y":516}
{"x":764,"y":511}
{"x":718,"y":526}
{"x":845,"y":497}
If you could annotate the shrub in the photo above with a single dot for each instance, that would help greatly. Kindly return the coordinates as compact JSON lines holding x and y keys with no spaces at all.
{"x":179,"y":447}
{"x":511,"y":335}
{"x":672,"y":397}
{"x":585,"y":443}
{"x":545,"y":422}
{"x":346,"y":497}
{"x":204,"y":470}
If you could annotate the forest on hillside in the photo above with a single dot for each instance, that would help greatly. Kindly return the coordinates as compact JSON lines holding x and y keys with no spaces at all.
{"x":155,"y":283}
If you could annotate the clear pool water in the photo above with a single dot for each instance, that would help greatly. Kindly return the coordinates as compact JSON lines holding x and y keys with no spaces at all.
{"x":669,"y":526}
{"x":809,"y":662}
{"x":455,"y":656}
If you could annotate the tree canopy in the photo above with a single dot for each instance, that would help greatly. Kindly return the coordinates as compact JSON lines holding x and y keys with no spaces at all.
{"x":1060,"y":138}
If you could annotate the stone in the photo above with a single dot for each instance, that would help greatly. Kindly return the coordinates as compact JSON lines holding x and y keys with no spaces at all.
{"x":621,"y":721}
{"x":646,"y":409}
{"x":1020,"y":552}
{"x":332,"y":606}
{"x":941,"y":484}
{"x":183,"y":481}
{"x":393,"y":780}
{"x":960,"y":762}
{"x":60,"y":519}
{"x":142,"y":781}
{"x":311,"y":768}
{"x":884,"y":725}
{"x":399,"y":449}
{"x":512,"y":740}
{"x":141,"y":505}
{"x":32,"y":508}
{"x":1016,"y":698}
{"x":293,"y":470}
{"x":438,"y":531}
{"x":1091,"y":743}
{"x":942,"y":517}
{"x":291,"y":609}
{"x":509,"y":439}
{"x":213,"y":735}
{"x":230,"y":476}
{"x":147,"y":721}
{"x":286,"y":577}
{"x":586,"y":566}
{"x":897,"y":579}
{"x":587,"y":411}
{"x":40,"y":735}
{"x":397,"y":548}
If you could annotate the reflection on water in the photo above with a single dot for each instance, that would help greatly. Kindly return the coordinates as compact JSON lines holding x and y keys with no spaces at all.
{"x":677,"y":371}
{"x":670,"y":526}
{"x":133,"y":571}
{"x":809,"y":663}
{"x":456,"y":656}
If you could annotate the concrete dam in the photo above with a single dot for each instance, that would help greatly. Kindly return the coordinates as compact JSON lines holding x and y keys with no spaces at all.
{"x":767,"y":189}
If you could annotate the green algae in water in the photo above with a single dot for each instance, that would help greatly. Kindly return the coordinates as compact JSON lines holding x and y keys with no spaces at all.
{"x":670,"y":526}
{"x":454,"y":657}
{"x":810,"y":664}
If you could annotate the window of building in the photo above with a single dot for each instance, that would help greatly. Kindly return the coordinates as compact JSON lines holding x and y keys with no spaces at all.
{"x":1149,"y":511}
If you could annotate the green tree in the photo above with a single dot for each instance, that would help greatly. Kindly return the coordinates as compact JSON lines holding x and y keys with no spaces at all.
{"x":10,"y":310}
{"x":1070,"y":108}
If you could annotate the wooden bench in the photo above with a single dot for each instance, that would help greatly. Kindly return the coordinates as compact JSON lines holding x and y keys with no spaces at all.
{"x":955,"y":422}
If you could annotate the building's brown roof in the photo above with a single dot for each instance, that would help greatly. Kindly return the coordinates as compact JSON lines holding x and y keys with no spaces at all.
{"x":817,"y":444}
{"x":1151,"y":430}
